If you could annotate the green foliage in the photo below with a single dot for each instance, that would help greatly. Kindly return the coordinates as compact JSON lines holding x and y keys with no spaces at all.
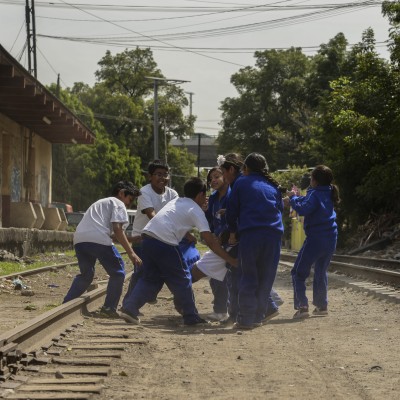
{"x":270,"y":114}
{"x":340,"y":108}
{"x":182,"y":167}
{"x":119,"y":109}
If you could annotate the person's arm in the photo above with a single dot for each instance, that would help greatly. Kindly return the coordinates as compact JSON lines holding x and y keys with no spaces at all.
{"x":212,"y":242}
{"x":190,"y":237}
{"x":149,"y":212}
{"x":123,"y":240}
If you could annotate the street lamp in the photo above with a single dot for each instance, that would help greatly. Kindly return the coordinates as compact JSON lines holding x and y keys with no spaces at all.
{"x":156,"y":81}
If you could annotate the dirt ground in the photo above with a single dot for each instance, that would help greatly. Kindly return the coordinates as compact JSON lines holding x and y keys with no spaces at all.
{"x":351,"y":354}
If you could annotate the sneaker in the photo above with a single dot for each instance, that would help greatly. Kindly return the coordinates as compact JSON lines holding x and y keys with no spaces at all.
{"x":217,"y":316}
{"x":228,"y":320}
{"x":301,"y":313}
{"x":108,"y":312}
{"x":129,"y":317}
{"x":270,"y":316}
{"x":238,"y":325}
{"x":197,"y":322}
{"x":320,"y":311}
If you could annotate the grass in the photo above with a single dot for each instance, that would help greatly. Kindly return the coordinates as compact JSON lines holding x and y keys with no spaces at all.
{"x":41,"y":260}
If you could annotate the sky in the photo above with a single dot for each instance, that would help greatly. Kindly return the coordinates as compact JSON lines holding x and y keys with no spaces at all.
{"x":202,"y":42}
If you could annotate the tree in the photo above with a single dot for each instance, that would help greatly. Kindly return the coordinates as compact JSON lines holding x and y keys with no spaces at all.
{"x":357,"y":133}
{"x":270,"y":114}
{"x":123,"y":100}
{"x":85,"y":173}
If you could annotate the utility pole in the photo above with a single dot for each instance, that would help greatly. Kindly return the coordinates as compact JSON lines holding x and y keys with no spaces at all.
{"x":190,"y":102}
{"x":198,"y":151}
{"x":31,"y":36}
{"x":156,"y":82}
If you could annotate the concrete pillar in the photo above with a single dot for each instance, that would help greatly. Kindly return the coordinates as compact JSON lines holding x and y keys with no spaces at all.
{"x":64,"y":222}
{"x":22,"y":215}
{"x":52,"y":219}
{"x":39,"y":214}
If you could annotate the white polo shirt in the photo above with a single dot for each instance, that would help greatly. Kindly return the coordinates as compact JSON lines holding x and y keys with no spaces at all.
{"x":175,"y":219}
{"x":150,"y":199}
{"x":96,"y":224}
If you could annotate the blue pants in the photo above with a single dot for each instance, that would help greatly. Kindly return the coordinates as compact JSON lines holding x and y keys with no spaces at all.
{"x":232,"y":280}
{"x":317,"y":251}
{"x":190,"y":255}
{"x":220,"y":292}
{"x":109,"y":257}
{"x":258,"y":262}
{"x":163,"y":263}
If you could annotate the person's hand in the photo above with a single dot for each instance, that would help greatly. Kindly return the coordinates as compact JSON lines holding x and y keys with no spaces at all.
{"x":295,"y":190}
{"x":232,"y":239}
{"x":136,"y":260}
{"x":221,"y":212}
{"x":234,"y":263}
{"x":190,"y":238}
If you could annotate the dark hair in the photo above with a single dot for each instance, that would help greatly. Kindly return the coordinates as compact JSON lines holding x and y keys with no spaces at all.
{"x":194,"y":186}
{"x":233,"y":160}
{"x":305,"y":181}
{"x":155,"y":164}
{"x":213,"y":169}
{"x":323,"y":176}
{"x":257,"y":163}
{"x":128,"y":187}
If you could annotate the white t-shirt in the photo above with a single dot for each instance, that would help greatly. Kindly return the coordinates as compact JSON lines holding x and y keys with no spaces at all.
{"x":150,"y":199}
{"x":96,"y":224}
{"x":175,"y":219}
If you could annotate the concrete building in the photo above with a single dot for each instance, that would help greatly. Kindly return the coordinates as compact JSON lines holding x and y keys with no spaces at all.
{"x":31,"y":120}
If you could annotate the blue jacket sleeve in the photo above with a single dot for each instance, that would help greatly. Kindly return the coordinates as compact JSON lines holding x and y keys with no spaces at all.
{"x":304,"y":205}
{"x":232,"y":209}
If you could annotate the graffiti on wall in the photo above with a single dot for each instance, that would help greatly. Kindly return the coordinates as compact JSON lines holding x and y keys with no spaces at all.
{"x":15,"y":184}
{"x":44,"y":187}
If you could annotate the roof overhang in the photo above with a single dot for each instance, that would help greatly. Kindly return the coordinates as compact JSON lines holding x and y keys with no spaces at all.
{"x":25,"y":100}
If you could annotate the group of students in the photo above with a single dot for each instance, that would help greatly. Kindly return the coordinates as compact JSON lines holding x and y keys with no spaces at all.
{"x":240,"y":222}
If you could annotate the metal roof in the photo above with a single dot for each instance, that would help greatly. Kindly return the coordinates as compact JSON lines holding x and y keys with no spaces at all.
{"x":25,"y":100}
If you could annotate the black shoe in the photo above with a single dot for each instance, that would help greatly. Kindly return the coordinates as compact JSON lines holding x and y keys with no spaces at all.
{"x":129,"y":317}
{"x":108,"y":313}
{"x":301,"y":313}
{"x":196,"y":322}
{"x":320,"y":311}
{"x":238,"y":325}
{"x":273,"y":314}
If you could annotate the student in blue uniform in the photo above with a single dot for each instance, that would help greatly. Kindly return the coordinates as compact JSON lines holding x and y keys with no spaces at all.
{"x":163,"y":260}
{"x":317,"y":207}
{"x":255,"y":206}
{"x":210,"y":264}
{"x":231,"y":165}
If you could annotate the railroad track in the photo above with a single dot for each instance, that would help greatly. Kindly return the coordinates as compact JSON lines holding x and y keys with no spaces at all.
{"x":62,"y":354}
{"x":371,"y":269}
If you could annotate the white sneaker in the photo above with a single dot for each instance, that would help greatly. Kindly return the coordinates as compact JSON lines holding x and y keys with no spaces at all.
{"x":217,"y":316}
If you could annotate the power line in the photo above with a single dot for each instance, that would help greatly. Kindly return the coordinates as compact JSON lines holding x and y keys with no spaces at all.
{"x":158,"y":40}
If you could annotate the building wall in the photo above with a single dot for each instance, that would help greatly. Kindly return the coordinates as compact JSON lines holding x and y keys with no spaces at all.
{"x":25,"y":167}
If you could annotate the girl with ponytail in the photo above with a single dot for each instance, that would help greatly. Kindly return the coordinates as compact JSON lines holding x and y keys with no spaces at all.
{"x":255,"y":210}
